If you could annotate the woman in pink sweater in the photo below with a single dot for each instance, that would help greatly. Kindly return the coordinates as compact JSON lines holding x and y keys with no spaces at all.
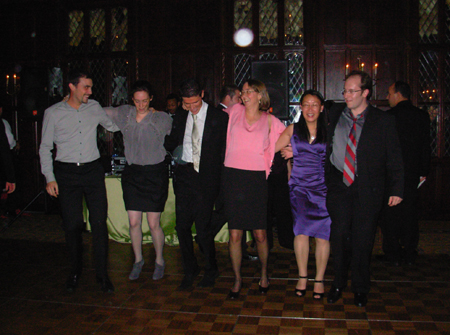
{"x":252,"y":134}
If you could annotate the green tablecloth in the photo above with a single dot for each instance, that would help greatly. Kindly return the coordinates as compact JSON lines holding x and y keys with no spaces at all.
{"x":117,"y":221}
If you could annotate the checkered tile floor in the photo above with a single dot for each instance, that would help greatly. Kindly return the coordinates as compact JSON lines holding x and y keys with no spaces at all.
{"x":403,"y":300}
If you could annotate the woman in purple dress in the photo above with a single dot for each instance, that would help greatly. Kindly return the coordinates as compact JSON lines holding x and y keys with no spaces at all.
{"x":308,"y":190}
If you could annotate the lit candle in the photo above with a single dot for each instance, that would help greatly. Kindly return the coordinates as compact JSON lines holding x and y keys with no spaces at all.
{"x":362,"y":66}
{"x":7,"y":80}
{"x":15,"y":79}
{"x":375,"y":71}
{"x":346,"y":70}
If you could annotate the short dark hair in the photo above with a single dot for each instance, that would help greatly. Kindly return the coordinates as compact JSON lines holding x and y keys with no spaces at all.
{"x":76,"y":75}
{"x":228,"y":90}
{"x":190,"y":88}
{"x":173,"y":96}
{"x":366,"y":81}
{"x":302,"y":128}
{"x":139,"y":86}
{"x":403,"y":88}
{"x":260,"y":87}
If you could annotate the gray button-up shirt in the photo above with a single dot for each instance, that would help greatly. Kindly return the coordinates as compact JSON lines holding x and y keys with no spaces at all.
{"x":341,"y":135}
{"x":74,"y":132}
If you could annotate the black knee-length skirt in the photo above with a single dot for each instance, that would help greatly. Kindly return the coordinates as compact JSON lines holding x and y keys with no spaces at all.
{"x":145,"y":187}
{"x":245,"y":198}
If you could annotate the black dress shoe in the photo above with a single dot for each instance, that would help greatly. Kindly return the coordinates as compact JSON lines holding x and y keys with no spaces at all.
{"x":72,"y":282}
{"x":209,"y":279}
{"x":105,"y":284}
{"x":188,"y":279}
{"x":251,"y":258}
{"x":334,"y":294}
{"x":360,"y":299}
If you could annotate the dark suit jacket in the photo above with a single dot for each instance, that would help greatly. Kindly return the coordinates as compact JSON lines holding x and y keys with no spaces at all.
{"x":6,"y":168}
{"x":413,"y":129}
{"x":378,"y":157}
{"x":213,"y":147}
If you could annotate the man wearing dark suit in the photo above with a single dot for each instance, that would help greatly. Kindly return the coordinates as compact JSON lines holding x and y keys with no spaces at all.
{"x":354,"y":202}
{"x":400,"y":224}
{"x":200,"y":154}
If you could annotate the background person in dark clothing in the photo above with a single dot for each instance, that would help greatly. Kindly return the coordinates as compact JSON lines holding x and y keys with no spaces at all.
{"x":400,"y":223}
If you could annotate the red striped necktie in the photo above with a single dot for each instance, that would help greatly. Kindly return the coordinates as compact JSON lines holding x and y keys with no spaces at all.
{"x":350,"y":156}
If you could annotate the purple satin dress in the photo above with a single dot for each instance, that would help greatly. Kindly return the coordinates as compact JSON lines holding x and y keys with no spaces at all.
{"x":307,"y":189}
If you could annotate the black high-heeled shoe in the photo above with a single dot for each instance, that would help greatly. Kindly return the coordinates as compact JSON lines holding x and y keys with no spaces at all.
{"x":264,"y":289}
{"x":235,"y":295}
{"x":318,"y":296}
{"x":302,"y":292}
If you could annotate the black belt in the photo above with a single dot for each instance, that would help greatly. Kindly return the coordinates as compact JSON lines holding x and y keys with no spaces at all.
{"x":78,"y":164}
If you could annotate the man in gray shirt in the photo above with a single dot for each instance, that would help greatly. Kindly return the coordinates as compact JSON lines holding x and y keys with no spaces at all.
{"x":77,"y":171}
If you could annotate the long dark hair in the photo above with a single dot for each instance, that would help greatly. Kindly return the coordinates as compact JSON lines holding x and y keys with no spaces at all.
{"x":302,"y":128}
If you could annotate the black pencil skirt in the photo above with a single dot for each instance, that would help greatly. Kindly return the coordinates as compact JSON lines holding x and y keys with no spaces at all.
{"x":245,"y":199}
{"x":145,"y":187}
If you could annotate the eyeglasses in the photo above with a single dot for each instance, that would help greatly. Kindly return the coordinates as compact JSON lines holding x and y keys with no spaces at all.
{"x":247,"y":92}
{"x":350,"y":91}
{"x":313,"y":106}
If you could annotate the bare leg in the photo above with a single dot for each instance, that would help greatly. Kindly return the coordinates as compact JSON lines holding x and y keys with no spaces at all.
{"x":153,"y":219}
{"x":135,"y":219}
{"x":236,"y":257}
{"x":322,"y":254}
{"x":301,"y":248}
{"x":263,"y":253}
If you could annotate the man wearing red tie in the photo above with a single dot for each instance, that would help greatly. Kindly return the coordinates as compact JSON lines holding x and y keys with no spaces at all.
{"x":363,"y":157}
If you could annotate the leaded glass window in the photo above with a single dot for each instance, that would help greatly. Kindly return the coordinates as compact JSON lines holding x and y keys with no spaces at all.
{"x":428,"y":76}
{"x":293,"y":22}
{"x":433,"y":112}
{"x":266,"y":47}
{"x":98,"y":72}
{"x":268,"y":22}
{"x":55,"y":82}
{"x":243,"y":14}
{"x":76,"y":32}
{"x":268,"y":56}
{"x":296,"y":76}
{"x":428,"y":21}
{"x":119,"y":69}
{"x":242,"y":68}
{"x":119,"y":29}
{"x":97,"y":31}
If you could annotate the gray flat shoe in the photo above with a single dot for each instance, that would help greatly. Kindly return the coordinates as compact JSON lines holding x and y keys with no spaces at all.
{"x":159,"y":271}
{"x":136,"y":271}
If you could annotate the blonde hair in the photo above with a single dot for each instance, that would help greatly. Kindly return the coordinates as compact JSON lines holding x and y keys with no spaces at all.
{"x":259,"y":87}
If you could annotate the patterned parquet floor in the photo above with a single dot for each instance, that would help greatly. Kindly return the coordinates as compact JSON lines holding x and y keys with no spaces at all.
{"x":33,"y":300}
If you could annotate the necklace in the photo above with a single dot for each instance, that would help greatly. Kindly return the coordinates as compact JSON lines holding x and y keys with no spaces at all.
{"x":313,"y":137}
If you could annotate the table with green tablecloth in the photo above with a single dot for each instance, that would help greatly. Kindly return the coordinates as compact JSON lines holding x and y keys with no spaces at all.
{"x":117,"y":221}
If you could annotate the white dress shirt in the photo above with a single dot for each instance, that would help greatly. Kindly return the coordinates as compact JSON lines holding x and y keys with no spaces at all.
{"x":187,"y":141}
